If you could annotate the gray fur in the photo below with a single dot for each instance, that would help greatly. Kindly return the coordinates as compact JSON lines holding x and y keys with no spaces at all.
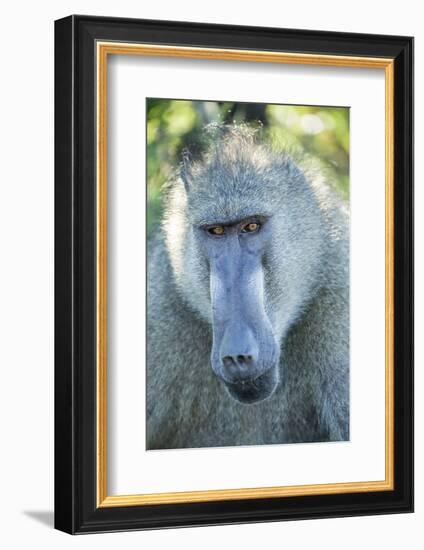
{"x":306,"y":270}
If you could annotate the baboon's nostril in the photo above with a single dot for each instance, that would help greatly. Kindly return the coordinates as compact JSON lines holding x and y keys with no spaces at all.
{"x":244,"y":359}
{"x":228,"y":361}
{"x":234,"y":360}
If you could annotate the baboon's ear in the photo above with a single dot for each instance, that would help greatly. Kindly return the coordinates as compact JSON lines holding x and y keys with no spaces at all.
{"x":185,"y":169}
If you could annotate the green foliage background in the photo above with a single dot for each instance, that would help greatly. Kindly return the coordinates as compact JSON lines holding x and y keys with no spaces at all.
{"x":172,"y":125}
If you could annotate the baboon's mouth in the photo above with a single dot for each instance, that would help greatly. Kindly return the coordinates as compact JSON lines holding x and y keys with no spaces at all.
{"x":254,"y":390}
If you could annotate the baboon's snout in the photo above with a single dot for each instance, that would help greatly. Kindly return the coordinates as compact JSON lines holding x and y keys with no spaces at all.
{"x":245,"y":352}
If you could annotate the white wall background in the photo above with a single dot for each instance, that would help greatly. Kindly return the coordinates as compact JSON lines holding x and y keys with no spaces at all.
{"x":26,"y":273}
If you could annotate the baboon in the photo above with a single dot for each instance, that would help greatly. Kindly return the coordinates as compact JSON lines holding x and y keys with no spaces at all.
{"x":248,"y":301}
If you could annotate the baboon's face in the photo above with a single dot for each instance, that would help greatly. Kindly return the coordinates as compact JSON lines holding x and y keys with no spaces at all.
{"x":245,"y":351}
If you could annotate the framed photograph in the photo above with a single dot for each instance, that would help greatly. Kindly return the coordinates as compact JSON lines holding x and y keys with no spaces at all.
{"x":234,"y":276}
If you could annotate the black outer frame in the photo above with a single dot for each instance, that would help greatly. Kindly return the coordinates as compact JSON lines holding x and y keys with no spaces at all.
{"x":75,"y":274}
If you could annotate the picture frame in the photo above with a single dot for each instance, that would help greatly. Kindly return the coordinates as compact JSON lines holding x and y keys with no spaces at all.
{"x":83,"y":45}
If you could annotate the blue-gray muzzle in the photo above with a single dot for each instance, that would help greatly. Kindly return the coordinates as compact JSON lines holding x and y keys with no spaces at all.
{"x":245,"y":352}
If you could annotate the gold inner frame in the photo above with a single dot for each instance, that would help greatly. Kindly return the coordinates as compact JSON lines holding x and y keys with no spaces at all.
{"x":104,"y":49}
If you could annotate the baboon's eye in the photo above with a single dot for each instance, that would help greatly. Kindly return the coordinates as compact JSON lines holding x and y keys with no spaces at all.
{"x":217,"y":230}
{"x":251,"y":227}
